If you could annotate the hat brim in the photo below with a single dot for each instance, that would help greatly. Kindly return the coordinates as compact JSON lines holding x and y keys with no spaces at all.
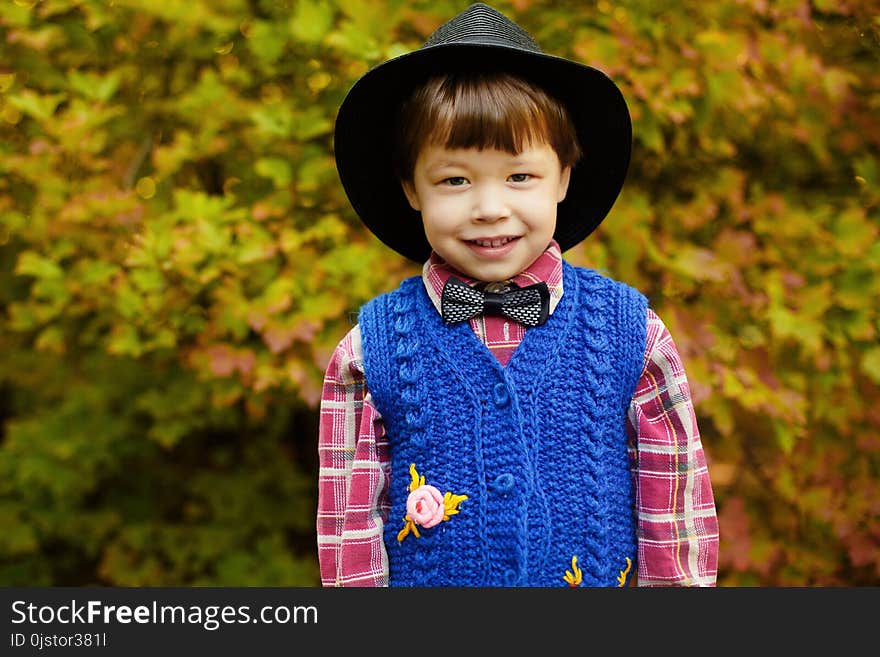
{"x":365,"y":124}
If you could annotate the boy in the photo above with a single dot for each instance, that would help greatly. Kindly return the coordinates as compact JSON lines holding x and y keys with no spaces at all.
{"x":505,"y":419}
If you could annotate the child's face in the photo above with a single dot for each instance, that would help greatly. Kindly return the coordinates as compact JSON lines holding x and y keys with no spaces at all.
{"x":488,"y":213}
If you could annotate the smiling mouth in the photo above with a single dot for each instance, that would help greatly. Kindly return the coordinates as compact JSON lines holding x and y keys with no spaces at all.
{"x":494,"y":242}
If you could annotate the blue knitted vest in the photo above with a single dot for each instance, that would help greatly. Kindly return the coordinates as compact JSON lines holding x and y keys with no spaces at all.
{"x":538,"y":446}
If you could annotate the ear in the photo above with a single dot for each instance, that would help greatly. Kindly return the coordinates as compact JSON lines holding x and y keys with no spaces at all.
{"x":411,"y":196}
{"x":564,"y":177}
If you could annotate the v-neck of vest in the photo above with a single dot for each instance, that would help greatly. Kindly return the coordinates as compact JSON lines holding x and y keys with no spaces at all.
{"x":461,"y":348}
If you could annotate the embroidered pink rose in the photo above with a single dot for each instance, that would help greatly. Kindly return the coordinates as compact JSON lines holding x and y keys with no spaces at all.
{"x":425,"y":506}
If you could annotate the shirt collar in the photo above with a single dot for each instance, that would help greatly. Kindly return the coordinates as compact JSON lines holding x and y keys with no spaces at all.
{"x":547,"y":267}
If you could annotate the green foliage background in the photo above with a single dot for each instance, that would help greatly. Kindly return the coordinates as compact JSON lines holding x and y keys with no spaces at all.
{"x":178,"y":260}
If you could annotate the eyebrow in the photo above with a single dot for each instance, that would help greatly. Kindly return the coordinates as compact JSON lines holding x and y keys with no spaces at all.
{"x":522,"y":159}
{"x":513,"y":160}
{"x":441,"y":167}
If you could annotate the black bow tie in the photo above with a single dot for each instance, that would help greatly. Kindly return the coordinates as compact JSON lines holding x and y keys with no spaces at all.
{"x":528,"y":305}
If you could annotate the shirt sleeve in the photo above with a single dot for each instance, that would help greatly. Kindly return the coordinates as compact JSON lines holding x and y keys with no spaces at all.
{"x":353,"y":462}
{"x":675,"y":505}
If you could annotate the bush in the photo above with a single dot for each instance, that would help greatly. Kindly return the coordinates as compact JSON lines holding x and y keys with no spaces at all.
{"x":179,"y":260}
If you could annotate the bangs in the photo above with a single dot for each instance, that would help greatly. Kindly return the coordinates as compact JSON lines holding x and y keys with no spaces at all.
{"x":494,"y":111}
{"x":475,"y":115}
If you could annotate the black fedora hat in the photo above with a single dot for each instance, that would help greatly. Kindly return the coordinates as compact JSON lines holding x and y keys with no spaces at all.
{"x":479,"y":38}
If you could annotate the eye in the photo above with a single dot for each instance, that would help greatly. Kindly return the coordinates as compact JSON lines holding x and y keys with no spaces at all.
{"x":455,"y":181}
{"x":520,"y":177}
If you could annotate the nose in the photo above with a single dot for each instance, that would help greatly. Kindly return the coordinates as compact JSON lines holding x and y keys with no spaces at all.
{"x":490,"y":204}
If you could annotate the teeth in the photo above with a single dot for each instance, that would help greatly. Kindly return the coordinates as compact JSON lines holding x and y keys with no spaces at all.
{"x":498,"y":242}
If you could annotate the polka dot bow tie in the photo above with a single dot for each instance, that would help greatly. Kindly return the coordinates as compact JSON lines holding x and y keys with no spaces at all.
{"x":528,"y":305}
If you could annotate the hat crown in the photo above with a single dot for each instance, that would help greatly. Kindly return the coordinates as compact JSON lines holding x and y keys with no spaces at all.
{"x":481,"y":24}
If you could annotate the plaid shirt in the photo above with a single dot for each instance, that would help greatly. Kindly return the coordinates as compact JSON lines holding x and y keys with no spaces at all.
{"x":677,"y":527}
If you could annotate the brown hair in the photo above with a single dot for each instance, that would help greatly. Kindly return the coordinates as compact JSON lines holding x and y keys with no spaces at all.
{"x":482,"y":110}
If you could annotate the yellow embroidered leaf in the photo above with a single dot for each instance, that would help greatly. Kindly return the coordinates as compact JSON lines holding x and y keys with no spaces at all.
{"x":576,"y":577}
{"x":451,"y":502}
{"x":414,"y":483}
{"x":623,"y":573}
{"x":409,"y":526}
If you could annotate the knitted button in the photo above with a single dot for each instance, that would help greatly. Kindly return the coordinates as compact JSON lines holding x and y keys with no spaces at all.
{"x":503,"y":482}
{"x":510,"y":577}
{"x":499,"y":392}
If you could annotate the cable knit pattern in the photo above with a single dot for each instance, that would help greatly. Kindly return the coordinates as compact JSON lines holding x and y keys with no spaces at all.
{"x":541,"y":458}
